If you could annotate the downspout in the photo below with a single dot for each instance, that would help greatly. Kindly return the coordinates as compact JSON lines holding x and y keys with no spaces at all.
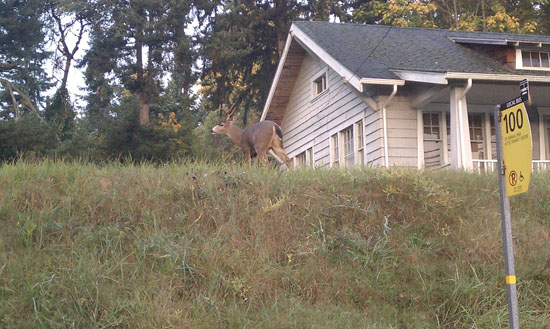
{"x":460,"y":123}
{"x":385,"y":127}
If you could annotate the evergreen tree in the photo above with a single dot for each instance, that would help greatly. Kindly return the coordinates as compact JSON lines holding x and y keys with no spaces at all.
{"x":132,"y":44}
{"x":60,"y":114}
{"x":22,"y":57}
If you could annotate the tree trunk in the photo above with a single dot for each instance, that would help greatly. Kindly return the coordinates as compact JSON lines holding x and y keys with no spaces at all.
{"x":68,"y":61}
{"x":281,"y":25}
{"x":143,"y":108}
{"x":456,"y":14}
{"x":143,"y":96}
{"x":483,"y":16}
{"x":15,"y":104}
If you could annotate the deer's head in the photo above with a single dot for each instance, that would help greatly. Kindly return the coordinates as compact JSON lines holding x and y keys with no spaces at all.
{"x":224,"y":127}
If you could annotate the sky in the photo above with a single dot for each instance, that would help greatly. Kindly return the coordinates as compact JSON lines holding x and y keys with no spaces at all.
{"x":76,"y":82}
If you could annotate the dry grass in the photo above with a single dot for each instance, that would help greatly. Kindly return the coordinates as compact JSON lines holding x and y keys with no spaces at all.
{"x":199,"y":245}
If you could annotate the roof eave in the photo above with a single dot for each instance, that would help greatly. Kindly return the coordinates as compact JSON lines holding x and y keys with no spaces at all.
{"x":437,"y":78}
{"x":296,"y":34}
{"x":277,"y":77}
{"x":497,"y":42}
{"x":497,"y":77}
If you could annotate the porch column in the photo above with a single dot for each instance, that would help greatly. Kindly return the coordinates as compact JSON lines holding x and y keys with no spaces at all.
{"x":461,"y":152}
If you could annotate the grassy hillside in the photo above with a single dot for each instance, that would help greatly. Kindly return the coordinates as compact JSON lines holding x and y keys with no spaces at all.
{"x":211,"y":246}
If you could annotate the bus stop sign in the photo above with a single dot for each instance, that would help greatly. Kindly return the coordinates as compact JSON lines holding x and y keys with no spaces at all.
{"x":517,"y":146}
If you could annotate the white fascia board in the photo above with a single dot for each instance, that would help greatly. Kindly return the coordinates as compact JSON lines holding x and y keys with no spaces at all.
{"x":277,"y":76}
{"x":312,"y":47}
{"x":480,"y":41}
{"x":385,"y":82}
{"x":497,"y":77}
{"x":527,"y":43}
{"x":437,"y":78}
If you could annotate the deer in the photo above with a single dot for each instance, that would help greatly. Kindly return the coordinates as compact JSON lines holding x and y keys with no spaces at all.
{"x":256,"y":140}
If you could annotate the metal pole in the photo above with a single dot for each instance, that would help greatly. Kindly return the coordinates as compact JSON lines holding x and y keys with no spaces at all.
{"x":513,"y":310}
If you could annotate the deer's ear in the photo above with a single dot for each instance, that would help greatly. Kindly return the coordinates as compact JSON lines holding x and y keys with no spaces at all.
{"x":235,"y":117}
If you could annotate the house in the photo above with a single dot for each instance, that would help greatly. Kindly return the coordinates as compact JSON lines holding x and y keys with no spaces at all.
{"x":352,"y":95}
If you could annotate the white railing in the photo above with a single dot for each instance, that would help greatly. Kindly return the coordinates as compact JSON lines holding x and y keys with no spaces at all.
{"x":540,"y":165}
{"x":481,"y":166}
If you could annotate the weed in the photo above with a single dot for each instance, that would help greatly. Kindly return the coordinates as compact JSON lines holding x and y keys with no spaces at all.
{"x":207,"y":245}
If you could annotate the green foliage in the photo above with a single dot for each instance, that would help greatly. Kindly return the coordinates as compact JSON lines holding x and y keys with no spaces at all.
{"x":147,"y":52}
{"x":218,"y":246}
{"x":210,"y":147}
{"x":132,"y":43}
{"x":414,"y":13}
{"x":124,"y":138}
{"x":22,"y":45}
{"x":26,"y":137}
{"x":60,"y":114}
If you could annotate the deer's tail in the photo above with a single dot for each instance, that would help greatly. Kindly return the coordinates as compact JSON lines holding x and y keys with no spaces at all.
{"x":279,"y":132}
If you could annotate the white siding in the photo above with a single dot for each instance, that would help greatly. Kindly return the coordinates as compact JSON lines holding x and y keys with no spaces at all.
{"x":311,"y":120}
{"x":373,"y":138}
{"x":402,"y":133}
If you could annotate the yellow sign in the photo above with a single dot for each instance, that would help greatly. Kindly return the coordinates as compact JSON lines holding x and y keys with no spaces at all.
{"x":517,"y":147}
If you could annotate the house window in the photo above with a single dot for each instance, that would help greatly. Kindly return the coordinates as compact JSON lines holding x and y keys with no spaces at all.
{"x":300,"y":160}
{"x":309,"y":157}
{"x":320,"y":84}
{"x":360,"y":145}
{"x":493,"y":139}
{"x":535,"y":59}
{"x":475,"y":121}
{"x":448,"y":122}
{"x":433,"y":150}
{"x":347,"y":149}
{"x":304,"y":159}
{"x":335,"y":146}
{"x":532,"y":60}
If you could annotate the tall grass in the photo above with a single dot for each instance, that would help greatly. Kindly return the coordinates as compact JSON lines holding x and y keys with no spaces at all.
{"x":201,"y":245}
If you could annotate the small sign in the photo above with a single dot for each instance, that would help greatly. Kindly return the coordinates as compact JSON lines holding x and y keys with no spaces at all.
{"x":517,"y":146}
{"x":524,"y":91}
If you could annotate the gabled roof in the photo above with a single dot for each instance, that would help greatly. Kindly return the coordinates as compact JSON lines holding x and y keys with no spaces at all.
{"x":383,"y":55}
{"x":376,"y":51}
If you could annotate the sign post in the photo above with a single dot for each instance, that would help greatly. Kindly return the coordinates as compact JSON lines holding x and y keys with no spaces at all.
{"x":514,"y":154}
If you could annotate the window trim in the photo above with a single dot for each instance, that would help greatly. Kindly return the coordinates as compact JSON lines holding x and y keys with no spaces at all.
{"x":359,"y":142}
{"x":348,"y":144}
{"x":519,"y":60}
{"x":440,"y":126}
{"x":546,"y":125}
{"x":308,"y":152}
{"x":335,"y":146}
{"x":471,"y":130}
{"x":338,"y":133}
{"x":313,"y":83}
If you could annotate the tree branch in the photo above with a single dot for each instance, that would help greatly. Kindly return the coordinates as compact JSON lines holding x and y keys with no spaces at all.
{"x":7,"y":66}
{"x":15,"y":104}
{"x":24,"y":97}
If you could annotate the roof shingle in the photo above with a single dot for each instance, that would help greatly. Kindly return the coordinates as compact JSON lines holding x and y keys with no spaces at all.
{"x":373,"y":51}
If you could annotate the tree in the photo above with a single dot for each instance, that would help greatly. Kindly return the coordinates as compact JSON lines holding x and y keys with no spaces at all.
{"x":22,"y":56}
{"x":60,"y":114}
{"x":66,"y":17}
{"x":414,"y":13}
{"x":133,"y":44}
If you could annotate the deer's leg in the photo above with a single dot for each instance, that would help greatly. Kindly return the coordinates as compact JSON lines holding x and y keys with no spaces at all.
{"x":261,"y":151}
{"x":247,"y":157}
{"x":278,"y":150}
{"x":263,"y":159}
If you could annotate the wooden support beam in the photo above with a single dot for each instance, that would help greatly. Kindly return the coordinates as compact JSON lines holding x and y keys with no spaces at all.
{"x":428,"y":95}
